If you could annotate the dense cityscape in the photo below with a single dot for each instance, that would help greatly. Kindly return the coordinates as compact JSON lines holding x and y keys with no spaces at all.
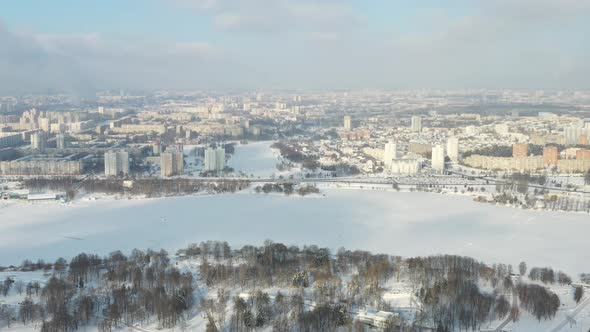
{"x":521,"y":148}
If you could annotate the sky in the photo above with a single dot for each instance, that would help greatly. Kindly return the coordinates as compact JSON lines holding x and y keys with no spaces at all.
{"x":86,"y":45}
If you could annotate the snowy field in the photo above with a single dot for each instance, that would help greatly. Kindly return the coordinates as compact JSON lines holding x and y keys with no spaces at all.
{"x":398,"y":223}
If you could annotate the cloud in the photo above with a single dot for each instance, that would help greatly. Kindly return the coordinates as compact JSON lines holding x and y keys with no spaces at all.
{"x":320,"y":44}
{"x":272,"y":16}
{"x":81,"y":63}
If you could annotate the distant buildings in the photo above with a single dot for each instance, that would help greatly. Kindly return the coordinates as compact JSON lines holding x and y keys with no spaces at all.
{"x":453,"y":149}
{"x":521,"y":164}
{"x":214,"y":159}
{"x":501,"y":129}
{"x":573,"y":134}
{"x":171,"y":163}
{"x":520,"y":150}
{"x":550,"y":155}
{"x":438,"y":158}
{"x":44,"y":165}
{"x":38,"y":141}
{"x":420,"y":147}
{"x":416,"y":124}
{"x":583,"y":154}
{"x":405,"y":166}
{"x":347,"y":123}
{"x":11,"y":140}
{"x":116,"y":163}
{"x":573,"y":165}
{"x":60,"y":141}
{"x":390,"y":153}
{"x":156,"y":148}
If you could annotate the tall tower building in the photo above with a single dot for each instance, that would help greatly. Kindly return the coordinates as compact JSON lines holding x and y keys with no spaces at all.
{"x":45,"y":124}
{"x":453,"y":149}
{"x":572,"y":134}
{"x":438,"y":158}
{"x":416,"y":124}
{"x":550,"y":155}
{"x":116,"y":163}
{"x":220,"y":158}
{"x":390,"y":153}
{"x":38,"y":141}
{"x":214,"y":159}
{"x":60,"y":140}
{"x":171,"y":163}
{"x":347,"y":122}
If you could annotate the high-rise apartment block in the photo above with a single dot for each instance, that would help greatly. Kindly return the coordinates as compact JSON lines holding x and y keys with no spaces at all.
{"x":38,"y":141}
{"x":214,"y":159}
{"x":520,"y":150}
{"x":416,"y":124}
{"x":116,"y":163}
{"x":453,"y":149}
{"x":390,"y":153}
{"x":171,"y":163}
{"x":550,"y":155}
{"x":347,"y":122}
{"x":438,"y":158}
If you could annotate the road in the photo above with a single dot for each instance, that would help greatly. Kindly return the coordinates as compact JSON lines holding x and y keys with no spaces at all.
{"x":508,"y":319}
{"x":571,"y":316}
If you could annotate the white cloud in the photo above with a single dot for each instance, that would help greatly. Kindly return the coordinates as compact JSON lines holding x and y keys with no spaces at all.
{"x":81,"y":63}
{"x":323,"y":44}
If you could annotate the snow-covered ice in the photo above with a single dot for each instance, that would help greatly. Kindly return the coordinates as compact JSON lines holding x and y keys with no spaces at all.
{"x":398,"y":223}
{"x":255,"y":158}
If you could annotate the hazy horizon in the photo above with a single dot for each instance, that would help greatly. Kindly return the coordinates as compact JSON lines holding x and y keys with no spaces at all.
{"x":284,"y":44}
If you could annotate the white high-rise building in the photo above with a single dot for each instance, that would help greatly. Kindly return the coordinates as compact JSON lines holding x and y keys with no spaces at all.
{"x":417,"y":124}
{"x":572,"y":134}
{"x":438,"y":158}
{"x":390,"y":153}
{"x":453,"y":149}
{"x":116,"y":163}
{"x":60,"y":140}
{"x":214,"y":159}
{"x":220,"y":158}
{"x":38,"y":141}
{"x":171,"y":163}
{"x":347,"y":122}
{"x":209,"y":163}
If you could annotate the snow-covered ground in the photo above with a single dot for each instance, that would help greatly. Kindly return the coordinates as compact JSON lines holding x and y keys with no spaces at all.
{"x":398,"y":223}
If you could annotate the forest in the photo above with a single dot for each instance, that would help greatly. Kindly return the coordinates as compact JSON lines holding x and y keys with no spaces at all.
{"x":145,"y":186}
{"x":272,"y":286}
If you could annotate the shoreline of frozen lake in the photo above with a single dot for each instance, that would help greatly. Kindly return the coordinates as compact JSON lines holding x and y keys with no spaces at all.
{"x":396,"y":223}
